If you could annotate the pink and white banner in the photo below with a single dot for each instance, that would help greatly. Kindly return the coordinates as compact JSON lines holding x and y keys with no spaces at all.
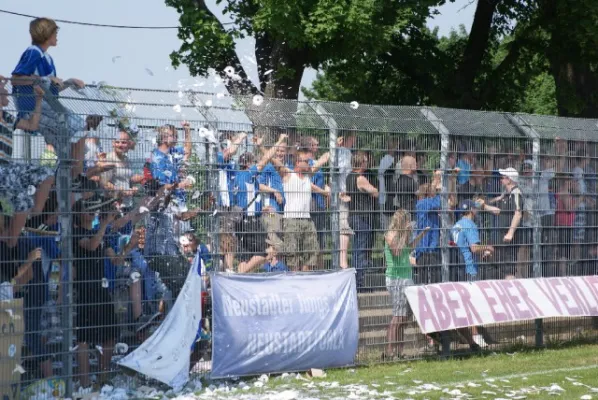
{"x":446,"y":306}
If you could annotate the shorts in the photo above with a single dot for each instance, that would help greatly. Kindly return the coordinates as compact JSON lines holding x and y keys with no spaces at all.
{"x":300,"y":242}
{"x":96,"y":320}
{"x":344,"y":219}
{"x":17,"y":184}
{"x":396,"y":288}
{"x":49,"y":126}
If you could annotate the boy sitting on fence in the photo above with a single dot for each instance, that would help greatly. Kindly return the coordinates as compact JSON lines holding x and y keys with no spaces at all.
{"x":36,"y":66}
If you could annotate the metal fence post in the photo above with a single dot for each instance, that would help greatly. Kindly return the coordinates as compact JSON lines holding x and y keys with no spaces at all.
{"x":445,"y":224}
{"x":214,"y":188}
{"x":537,"y":229}
{"x":334,"y":184}
{"x":63,"y":185}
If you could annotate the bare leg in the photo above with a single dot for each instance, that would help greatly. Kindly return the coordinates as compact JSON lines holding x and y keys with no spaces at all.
{"x":395,"y":336}
{"x":344,"y":251}
{"x":135,"y":295}
{"x":41,"y":195}
{"x":83,"y":360}
{"x":78,"y":154}
{"x":105,"y":358}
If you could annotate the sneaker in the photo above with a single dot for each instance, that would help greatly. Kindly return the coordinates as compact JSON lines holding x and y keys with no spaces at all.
{"x":479,"y":340}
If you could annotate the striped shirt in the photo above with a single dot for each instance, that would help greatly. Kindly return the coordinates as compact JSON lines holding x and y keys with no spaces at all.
{"x":6,"y":130}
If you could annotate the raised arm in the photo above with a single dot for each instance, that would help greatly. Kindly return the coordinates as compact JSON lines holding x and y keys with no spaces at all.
{"x":320,"y":162}
{"x":92,"y":243}
{"x":271,"y":152}
{"x":228,"y":153}
{"x":283,"y":170}
{"x":188,"y":148}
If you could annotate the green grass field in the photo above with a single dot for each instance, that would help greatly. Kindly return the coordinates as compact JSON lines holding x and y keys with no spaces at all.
{"x":570,"y":373}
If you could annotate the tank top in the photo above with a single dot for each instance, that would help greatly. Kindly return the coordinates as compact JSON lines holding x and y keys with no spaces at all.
{"x":297,"y":192}
{"x":397,"y":267}
{"x":361,"y":202}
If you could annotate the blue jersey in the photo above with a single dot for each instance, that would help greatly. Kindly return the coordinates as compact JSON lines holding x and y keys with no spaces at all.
{"x":318,"y":180}
{"x":465,"y":234}
{"x":246,"y":190}
{"x":271,"y":178}
{"x":33,"y":62}
{"x":227,"y":171}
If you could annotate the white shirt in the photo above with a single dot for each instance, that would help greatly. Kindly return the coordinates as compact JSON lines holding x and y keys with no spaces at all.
{"x":297,"y":192}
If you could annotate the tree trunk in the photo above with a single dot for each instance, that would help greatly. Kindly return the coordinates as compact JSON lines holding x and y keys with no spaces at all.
{"x":477,"y":44}
{"x":287,"y":66}
{"x":576,"y":82}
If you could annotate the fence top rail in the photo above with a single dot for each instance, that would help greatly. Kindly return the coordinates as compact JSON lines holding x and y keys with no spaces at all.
{"x":225,"y":112}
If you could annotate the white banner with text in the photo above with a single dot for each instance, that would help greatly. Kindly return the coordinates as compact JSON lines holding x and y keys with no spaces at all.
{"x":453,"y":305}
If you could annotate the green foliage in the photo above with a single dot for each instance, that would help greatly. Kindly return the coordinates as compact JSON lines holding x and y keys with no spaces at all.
{"x":291,"y":35}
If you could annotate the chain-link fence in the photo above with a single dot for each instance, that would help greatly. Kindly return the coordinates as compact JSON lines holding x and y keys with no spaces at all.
{"x":108,"y":193}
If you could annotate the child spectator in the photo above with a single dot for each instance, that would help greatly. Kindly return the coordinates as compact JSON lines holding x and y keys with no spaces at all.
{"x":36,"y":66}
{"x":466,"y":237}
{"x":399,"y":275}
{"x":24,"y":188}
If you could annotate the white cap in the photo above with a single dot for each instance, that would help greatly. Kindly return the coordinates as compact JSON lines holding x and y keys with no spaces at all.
{"x":510,"y":173}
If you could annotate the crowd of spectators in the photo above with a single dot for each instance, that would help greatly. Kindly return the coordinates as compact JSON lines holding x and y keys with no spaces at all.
{"x":131,"y":233}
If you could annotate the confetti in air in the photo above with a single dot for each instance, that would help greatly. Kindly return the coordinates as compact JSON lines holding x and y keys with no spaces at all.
{"x":268,"y":72}
{"x":208,"y":103}
{"x":229,"y":71}
{"x":196,"y":195}
{"x":236,"y":77}
{"x":31,"y":190}
{"x":220,"y":95}
{"x":105,"y":283}
{"x":354,"y":105}
{"x":115,"y":58}
{"x":149,"y":72}
{"x":176,"y":108}
{"x":258,"y":100}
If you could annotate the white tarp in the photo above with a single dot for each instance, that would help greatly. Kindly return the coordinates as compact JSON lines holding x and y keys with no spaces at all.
{"x":165,"y":356}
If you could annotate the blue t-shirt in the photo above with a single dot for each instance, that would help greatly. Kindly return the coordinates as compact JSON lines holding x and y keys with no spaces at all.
{"x":464,"y":173}
{"x":271,"y":178}
{"x":278,"y":267}
{"x":465,"y":234}
{"x":33,"y":62}
{"x":426,"y":214}
{"x":246,"y":189}
{"x":318,"y":180}
{"x":227,"y":171}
